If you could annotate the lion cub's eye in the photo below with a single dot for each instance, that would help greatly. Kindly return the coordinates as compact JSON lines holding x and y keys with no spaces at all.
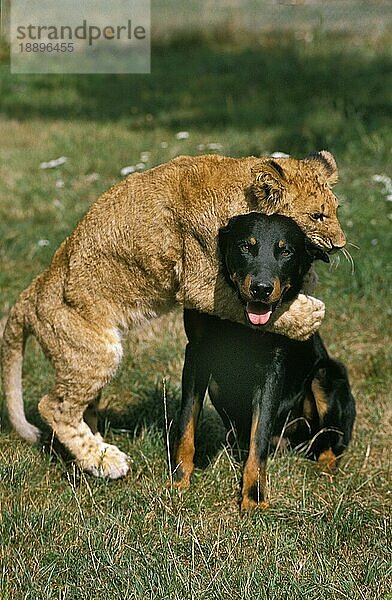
{"x":318,"y":217}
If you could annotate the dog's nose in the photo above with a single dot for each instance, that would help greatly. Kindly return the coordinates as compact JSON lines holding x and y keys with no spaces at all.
{"x":261,"y":290}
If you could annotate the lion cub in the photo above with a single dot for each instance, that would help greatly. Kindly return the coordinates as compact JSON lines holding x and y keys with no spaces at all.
{"x":147,"y":244}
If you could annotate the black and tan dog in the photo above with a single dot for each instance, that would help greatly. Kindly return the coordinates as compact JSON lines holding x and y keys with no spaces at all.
{"x":261,"y":383}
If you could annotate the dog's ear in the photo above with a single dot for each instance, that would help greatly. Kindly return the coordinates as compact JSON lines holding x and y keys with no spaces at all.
{"x":325,"y":162}
{"x":224,"y":232}
{"x":269,"y":182}
{"x":315,"y":252}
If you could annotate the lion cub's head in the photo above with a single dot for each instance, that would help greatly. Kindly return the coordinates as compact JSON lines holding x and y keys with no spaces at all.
{"x":301,"y":189}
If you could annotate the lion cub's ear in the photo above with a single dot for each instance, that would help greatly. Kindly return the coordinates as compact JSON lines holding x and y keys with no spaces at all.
{"x":326,"y":163}
{"x":269,"y":182}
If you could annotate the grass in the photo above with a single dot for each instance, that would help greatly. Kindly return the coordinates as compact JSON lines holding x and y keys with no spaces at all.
{"x":65,"y":535}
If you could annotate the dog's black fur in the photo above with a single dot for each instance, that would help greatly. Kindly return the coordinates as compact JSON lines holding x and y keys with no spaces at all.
{"x":263,"y":385}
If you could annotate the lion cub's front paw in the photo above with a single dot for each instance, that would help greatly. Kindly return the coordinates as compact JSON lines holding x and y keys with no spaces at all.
{"x":312,"y":313}
{"x":301,"y":319}
{"x":105,"y":461}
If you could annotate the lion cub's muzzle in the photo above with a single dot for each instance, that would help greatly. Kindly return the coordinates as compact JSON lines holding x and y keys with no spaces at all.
{"x":328,"y":245}
{"x":337,"y":247}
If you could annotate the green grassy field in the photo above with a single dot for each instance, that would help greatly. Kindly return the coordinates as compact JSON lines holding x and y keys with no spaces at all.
{"x":64,"y":535}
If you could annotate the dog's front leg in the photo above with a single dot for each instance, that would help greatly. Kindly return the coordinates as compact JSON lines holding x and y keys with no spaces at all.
{"x":195,"y":377}
{"x":266,"y":399}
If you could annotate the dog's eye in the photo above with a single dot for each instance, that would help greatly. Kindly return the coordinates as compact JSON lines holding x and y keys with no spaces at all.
{"x":286,"y":252}
{"x":244,"y":247}
{"x":318,"y":217}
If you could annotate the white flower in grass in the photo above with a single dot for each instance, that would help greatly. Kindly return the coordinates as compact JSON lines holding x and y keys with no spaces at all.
{"x":279,"y":155}
{"x":144,"y":157}
{"x":164,"y":145}
{"x":92,"y":177}
{"x":387,"y":183}
{"x":60,"y":183}
{"x":214,"y":146}
{"x":58,"y":204}
{"x":382,"y":179}
{"x":43,"y":243}
{"x":140,"y":166}
{"x":52,"y":164}
{"x":182,"y":135}
{"x":127,"y":170}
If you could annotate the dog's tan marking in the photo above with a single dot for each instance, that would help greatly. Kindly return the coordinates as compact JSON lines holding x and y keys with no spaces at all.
{"x":252,"y":241}
{"x":276,"y":292}
{"x":185,"y":451}
{"x":327,"y":461}
{"x":254,"y":475}
{"x":246,"y":285}
{"x":248,"y":504}
{"x":320,"y":399}
{"x":281,"y":243}
{"x":308,"y":407}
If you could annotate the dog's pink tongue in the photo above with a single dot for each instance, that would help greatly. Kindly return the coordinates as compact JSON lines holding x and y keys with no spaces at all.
{"x":258,"y":315}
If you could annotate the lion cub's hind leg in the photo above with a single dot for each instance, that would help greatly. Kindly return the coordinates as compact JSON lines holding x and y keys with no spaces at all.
{"x":84,"y":359}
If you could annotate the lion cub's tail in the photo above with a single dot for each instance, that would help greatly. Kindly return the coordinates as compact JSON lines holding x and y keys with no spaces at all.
{"x":14,"y":339}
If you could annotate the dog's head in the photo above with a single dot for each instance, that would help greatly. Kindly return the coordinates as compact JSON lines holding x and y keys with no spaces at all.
{"x":266,"y":259}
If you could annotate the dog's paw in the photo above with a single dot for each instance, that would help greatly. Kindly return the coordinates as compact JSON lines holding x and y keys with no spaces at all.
{"x":301,"y":318}
{"x":182,"y":484}
{"x":248,"y":504}
{"x":181,"y":478}
{"x":105,"y":461}
{"x":327,"y":462}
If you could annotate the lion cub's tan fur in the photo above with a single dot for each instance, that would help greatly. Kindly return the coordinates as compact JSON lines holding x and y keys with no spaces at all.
{"x":145,"y":245}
